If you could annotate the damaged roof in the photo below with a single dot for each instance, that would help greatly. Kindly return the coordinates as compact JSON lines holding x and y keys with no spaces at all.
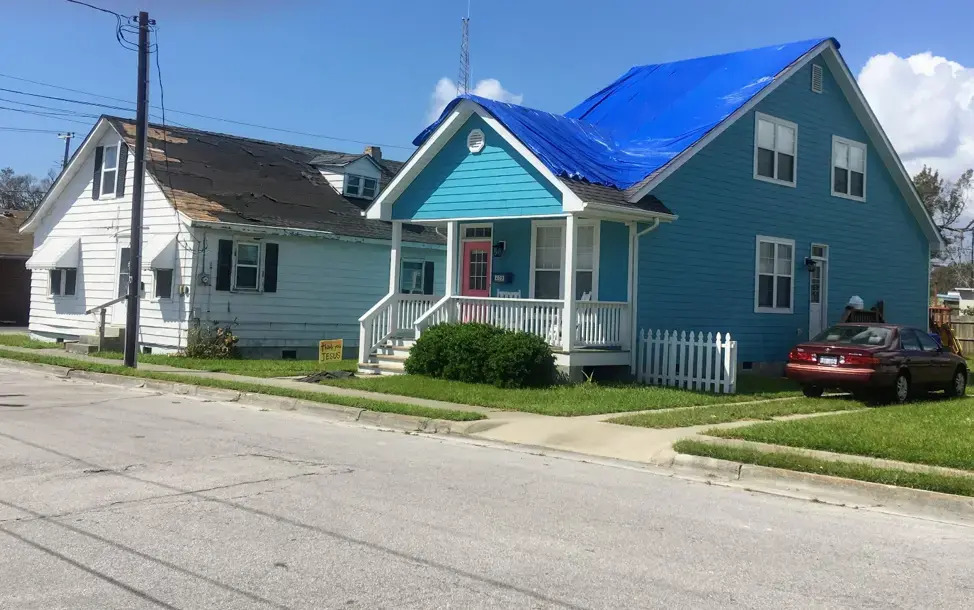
{"x":12,"y":242}
{"x":217,"y":177}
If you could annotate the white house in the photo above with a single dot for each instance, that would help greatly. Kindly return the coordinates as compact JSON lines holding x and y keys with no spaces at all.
{"x":267,"y":237}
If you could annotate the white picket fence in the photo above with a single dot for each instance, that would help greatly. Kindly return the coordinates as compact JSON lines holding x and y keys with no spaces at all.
{"x":687,"y":360}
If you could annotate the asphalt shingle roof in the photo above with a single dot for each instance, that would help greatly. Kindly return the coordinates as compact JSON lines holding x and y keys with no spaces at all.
{"x":12,"y":242}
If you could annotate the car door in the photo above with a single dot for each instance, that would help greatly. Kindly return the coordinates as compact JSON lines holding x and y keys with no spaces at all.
{"x":917,"y":362}
{"x":938,"y":361}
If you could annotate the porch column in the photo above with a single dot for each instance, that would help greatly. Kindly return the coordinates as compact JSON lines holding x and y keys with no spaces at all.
{"x":568,"y":313}
{"x":395,"y":266}
{"x":395,"y":270}
{"x":451,"y":258}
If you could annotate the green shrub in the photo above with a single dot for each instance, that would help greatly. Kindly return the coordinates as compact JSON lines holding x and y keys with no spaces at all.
{"x":520,"y":360}
{"x":481,"y":353}
{"x":210,"y":340}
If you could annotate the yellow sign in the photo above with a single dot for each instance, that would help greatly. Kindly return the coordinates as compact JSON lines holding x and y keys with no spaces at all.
{"x":329,"y":350}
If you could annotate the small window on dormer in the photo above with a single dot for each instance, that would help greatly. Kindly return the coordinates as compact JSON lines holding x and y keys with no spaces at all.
{"x":360,"y":186}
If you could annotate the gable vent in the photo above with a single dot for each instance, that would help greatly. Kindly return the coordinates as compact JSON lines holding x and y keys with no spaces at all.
{"x":475,"y":141}
{"x":816,"y":78}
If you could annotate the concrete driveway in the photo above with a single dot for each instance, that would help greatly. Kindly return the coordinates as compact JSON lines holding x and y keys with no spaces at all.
{"x":118,"y":498}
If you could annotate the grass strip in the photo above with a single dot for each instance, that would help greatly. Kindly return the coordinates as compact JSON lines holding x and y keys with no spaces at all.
{"x":254,"y":388}
{"x":567,"y":400}
{"x":24,"y":340}
{"x":728,"y":413}
{"x":241,"y":366}
{"x":861,"y":472}
{"x":933,"y":432}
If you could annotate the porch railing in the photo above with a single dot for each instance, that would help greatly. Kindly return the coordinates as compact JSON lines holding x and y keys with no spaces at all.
{"x":540,"y":317}
{"x":602,"y":324}
{"x":393,"y":312}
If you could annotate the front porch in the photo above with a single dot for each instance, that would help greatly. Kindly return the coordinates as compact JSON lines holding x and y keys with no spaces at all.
{"x":543,"y":276}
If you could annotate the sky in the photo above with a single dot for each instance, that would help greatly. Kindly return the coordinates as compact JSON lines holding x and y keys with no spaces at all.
{"x":376,"y":71}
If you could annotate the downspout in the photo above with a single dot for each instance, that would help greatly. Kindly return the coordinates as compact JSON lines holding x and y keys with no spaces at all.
{"x":634,"y":297}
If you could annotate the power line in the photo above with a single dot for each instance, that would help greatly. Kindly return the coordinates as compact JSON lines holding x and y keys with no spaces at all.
{"x":210,"y":117}
{"x":49,"y":115}
{"x":97,"y":8}
{"x":67,"y":100}
{"x":28,"y":129}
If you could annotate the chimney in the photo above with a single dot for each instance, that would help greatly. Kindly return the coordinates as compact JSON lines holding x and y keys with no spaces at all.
{"x":375,"y":152}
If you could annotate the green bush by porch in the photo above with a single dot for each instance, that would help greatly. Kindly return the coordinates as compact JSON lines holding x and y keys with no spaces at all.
{"x":567,"y":400}
{"x":482,"y":353}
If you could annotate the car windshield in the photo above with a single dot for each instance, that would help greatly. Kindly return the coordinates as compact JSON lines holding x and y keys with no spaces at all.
{"x":855,"y":335}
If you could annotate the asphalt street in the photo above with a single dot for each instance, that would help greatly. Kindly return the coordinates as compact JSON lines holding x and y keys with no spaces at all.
{"x":124,"y":498}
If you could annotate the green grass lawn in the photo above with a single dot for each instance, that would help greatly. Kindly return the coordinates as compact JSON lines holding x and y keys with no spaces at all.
{"x":888,"y":476}
{"x":252,"y":368}
{"x":730,"y":412}
{"x":24,"y":340}
{"x":567,"y":400}
{"x":255,"y":388}
{"x":935,"y":432}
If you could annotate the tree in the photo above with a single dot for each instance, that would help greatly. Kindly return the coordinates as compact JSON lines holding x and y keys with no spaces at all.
{"x":22,"y":191}
{"x":945,"y":200}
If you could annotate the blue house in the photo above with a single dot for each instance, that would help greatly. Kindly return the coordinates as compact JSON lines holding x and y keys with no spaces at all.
{"x":752,"y":193}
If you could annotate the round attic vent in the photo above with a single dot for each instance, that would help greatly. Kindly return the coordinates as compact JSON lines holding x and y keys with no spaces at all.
{"x":475,"y":141}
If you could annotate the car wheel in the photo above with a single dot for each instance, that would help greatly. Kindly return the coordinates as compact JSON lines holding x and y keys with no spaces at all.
{"x":958,"y":384}
{"x":901,"y":388}
{"x":813,"y":391}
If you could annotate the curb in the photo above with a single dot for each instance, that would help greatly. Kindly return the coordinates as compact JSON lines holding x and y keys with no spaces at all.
{"x":394,"y":421}
{"x":828,"y":489}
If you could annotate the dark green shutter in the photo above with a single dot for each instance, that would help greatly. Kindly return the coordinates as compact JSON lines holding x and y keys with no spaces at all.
{"x":96,"y":182}
{"x":123,"y":162}
{"x":428,"y":277}
{"x":224,"y":264}
{"x":270,"y":267}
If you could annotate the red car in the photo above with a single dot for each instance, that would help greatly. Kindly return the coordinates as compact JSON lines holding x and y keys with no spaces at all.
{"x":873,"y":360}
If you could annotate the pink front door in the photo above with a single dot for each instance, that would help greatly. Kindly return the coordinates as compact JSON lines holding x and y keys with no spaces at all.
{"x":475,"y":281}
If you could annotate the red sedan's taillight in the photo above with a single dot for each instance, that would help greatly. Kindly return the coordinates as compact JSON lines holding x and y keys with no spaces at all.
{"x":860,"y":359}
{"x":800,"y":355}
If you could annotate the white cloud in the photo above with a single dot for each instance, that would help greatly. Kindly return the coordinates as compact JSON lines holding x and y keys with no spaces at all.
{"x":926,"y":105}
{"x":446,"y":90}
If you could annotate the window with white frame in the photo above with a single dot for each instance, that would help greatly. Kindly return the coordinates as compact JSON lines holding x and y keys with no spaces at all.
{"x":549,"y":257}
{"x":774,"y":275}
{"x":548,"y":251}
{"x":63,"y":281}
{"x":163,"y":283}
{"x":360,"y":186}
{"x":413,"y":277}
{"x":109,"y":171}
{"x":848,"y":168}
{"x":775,"y":149}
{"x":246,"y":264}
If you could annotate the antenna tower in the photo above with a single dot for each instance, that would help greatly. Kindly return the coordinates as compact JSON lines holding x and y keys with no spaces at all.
{"x":463,"y":79}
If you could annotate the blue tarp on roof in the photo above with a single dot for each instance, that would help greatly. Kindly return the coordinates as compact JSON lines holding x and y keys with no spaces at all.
{"x":634,"y":126}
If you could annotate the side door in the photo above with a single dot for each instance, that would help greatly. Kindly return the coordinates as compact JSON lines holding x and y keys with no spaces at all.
{"x":914,"y":357}
{"x":939,"y":363}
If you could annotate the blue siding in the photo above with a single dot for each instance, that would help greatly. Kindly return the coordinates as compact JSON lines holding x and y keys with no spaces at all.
{"x":698,"y":272}
{"x":613,"y":261}
{"x":496,"y":182}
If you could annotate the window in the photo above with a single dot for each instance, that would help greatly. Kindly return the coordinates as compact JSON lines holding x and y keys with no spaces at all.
{"x":585,"y":261}
{"x":549,"y":253}
{"x":909,"y":340}
{"x":477,"y":232}
{"x":63,"y":282}
{"x":774,"y":275}
{"x":775,"y":149}
{"x":477,"y":270}
{"x":124,"y":257}
{"x":412,"y":277}
{"x":926,"y":342}
{"x":246,"y":264}
{"x":848,"y":169}
{"x":360,"y":186}
{"x":109,"y":171}
{"x":163,"y":283}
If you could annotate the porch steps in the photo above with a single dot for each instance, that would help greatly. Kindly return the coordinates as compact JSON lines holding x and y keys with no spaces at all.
{"x":389,"y":358}
{"x":114,"y":341}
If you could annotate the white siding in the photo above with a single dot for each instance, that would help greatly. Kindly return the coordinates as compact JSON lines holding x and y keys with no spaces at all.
{"x":102,"y":225}
{"x":323,"y":287}
{"x":336,"y":175}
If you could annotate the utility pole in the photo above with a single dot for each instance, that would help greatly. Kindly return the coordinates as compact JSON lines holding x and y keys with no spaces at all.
{"x":67,"y":146}
{"x":135,"y":260}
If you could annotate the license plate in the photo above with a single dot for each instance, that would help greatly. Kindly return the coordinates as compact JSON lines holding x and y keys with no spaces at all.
{"x":828,"y":360}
